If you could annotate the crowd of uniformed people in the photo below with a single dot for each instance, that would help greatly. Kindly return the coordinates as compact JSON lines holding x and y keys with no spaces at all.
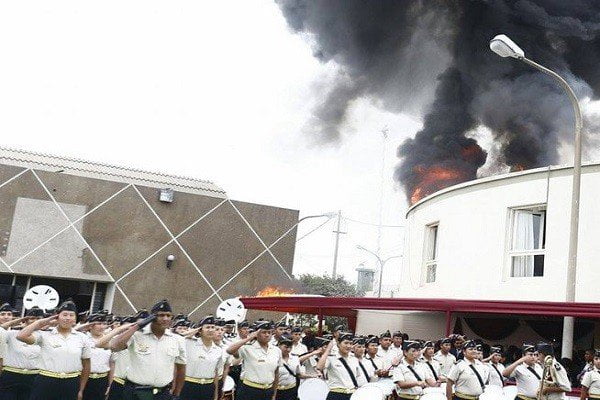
{"x":157,"y":355}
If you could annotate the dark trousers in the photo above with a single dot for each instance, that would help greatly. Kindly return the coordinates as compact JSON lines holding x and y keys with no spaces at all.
{"x":338,"y":396}
{"x":133,"y":392}
{"x":95,"y":389}
{"x":116,"y":391}
{"x":196,"y":391}
{"x":246,"y":392}
{"x":235,"y":372}
{"x":288,"y":394}
{"x":15,"y":386}
{"x":46,"y":388}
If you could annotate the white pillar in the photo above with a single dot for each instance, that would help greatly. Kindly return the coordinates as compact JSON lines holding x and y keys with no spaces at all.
{"x":567,"y":338}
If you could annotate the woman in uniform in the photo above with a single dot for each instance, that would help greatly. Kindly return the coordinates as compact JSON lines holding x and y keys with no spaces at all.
{"x":260,"y":363}
{"x":412,"y":376}
{"x":99,"y":359}
{"x":289,"y":371}
{"x":469,"y":376}
{"x":64,"y":356}
{"x":204,"y":363}
{"x":342,"y":371}
{"x":590,"y":384}
{"x":20,"y":361}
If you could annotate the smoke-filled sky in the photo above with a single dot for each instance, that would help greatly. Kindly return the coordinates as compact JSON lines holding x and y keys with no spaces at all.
{"x":275,"y":113}
{"x":431,"y":58}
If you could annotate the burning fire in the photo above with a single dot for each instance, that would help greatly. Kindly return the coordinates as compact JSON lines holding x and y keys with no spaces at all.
{"x":272,"y":291}
{"x":432,"y":179}
{"x":518,"y":167}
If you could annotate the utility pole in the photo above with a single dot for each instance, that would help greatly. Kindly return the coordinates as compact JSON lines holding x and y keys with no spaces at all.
{"x":337,"y":232}
{"x":384,"y":133}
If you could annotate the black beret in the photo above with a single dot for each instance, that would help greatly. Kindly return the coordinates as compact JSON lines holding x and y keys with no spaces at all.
{"x":528,"y":348}
{"x":446,"y":340}
{"x":244,"y":324}
{"x":496,"y":350}
{"x":161,"y":306}
{"x":285,"y":339}
{"x":411,"y":344}
{"x":428,"y":343}
{"x":470,"y":344}
{"x":360,"y":341}
{"x":97,"y":318}
{"x":5,"y":308}
{"x":397,"y":334}
{"x":545,"y":348}
{"x":263,"y":325}
{"x":208,"y":320}
{"x":338,"y":328}
{"x":142,"y":314}
{"x":386,"y":334}
{"x":296,"y":329}
{"x":67,"y":306}
{"x":346,"y":336}
{"x":373,"y":339}
{"x":35,"y":312}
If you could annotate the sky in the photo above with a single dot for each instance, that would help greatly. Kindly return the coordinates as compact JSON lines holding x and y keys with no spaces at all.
{"x":216,"y":90}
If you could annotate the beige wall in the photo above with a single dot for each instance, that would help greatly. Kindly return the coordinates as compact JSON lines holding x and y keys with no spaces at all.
{"x":126,"y":234}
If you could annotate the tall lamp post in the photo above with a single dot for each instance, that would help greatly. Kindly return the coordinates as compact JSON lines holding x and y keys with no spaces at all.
{"x":381,"y":263}
{"x":504,"y":47}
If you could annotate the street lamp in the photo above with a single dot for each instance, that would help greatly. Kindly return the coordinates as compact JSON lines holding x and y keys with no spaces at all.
{"x":381,"y":264}
{"x":504,"y":47}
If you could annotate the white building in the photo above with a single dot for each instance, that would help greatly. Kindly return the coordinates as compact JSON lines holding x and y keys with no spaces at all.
{"x":503,"y":238}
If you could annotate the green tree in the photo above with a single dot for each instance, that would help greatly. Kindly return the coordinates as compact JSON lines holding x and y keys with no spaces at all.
{"x":325,"y":285}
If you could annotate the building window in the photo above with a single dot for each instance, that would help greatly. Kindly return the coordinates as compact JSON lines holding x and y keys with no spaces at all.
{"x":528,"y":242}
{"x":431,"y":250}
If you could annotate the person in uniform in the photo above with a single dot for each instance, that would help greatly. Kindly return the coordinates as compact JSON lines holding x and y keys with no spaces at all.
{"x":396,"y":347}
{"x":261,"y":360}
{"x":412,"y":376}
{"x":496,"y":367}
{"x":358,"y":351}
{"x":457,"y":346}
{"x":588,"y":357}
{"x":20,"y":362}
{"x":204,"y":363}
{"x":342,"y":371}
{"x":229,"y":336}
{"x":100,"y":366}
{"x":279,"y":331}
{"x":434,"y":366}
{"x":120,"y":359}
{"x":228,"y":359}
{"x":235,"y":370}
{"x":289,"y":371}
{"x":64,"y":356}
{"x":561,"y":384}
{"x":180,"y":327}
{"x":389,"y":357}
{"x":468,"y":376}
{"x":373,"y":362}
{"x":526,"y":372}
{"x":445,"y":357}
{"x":243,"y":328}
{"x":298,"y":348}
{"x":6,"y":315}
{"x":157,"y":356}
{"x":310,"y":363}
{"x":590,"y":383}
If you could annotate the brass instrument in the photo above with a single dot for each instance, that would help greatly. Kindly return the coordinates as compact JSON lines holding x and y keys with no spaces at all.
{"x":548,"y":377}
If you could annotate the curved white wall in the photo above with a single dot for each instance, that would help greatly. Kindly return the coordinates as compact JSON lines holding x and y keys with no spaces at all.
{"x":473,"y":237}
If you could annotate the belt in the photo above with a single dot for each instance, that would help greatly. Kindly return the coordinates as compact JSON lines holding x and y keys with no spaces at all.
{"x":60,"y":375}
{"x":408,"y":396}
{"x":22,"y":371}
{"x":342,"y":390}
{"x":154,"y":390}
{"x":120,"y":381}
{"x":523,"y":397}
{"x":98,"y":375}
{"x":201,"y":381}
{"x":257,"y":385}
{"x":287,"y":387}
{"x":466,"y":396}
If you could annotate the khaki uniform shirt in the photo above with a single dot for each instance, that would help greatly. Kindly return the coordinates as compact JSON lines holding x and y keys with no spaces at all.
{"x":19,"y":354}
{"x":2,"y":342}
{"x":299,"y":349}
{"x":203,"y":362}
{"x":591,"y":380}
{"x":337,"y":375}
{"x":99,"y":358}
{"x":446,"y":361}
{"x":151,"y":360}
{"x":432,"y":365}
{"x":403,"y":374}
{"x":465,"y":380}
{"x":527,"y":383}
{"x":372,"y":365}
{"x":259,"y":365}
{"x":62,"y":354}
{"x":562,"y":381}
{"x":496,"y":377}
{"x":121,"y":360}
{"x":285,"y":378}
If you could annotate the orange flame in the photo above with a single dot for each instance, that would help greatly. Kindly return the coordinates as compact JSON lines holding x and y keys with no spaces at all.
{"x":273,"y":291}
{"x":432,"y":179}
{"x":518,"y":167}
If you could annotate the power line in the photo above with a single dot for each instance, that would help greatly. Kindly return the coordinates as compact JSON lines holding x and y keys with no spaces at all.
{"x":313,"y":230}
{"x":372,"y":224}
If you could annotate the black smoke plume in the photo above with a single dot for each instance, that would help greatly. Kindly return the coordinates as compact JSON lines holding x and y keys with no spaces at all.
{"x":433,"y":57}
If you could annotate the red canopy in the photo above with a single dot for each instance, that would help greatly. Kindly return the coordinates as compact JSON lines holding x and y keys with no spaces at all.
{"x":349,"y":306}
